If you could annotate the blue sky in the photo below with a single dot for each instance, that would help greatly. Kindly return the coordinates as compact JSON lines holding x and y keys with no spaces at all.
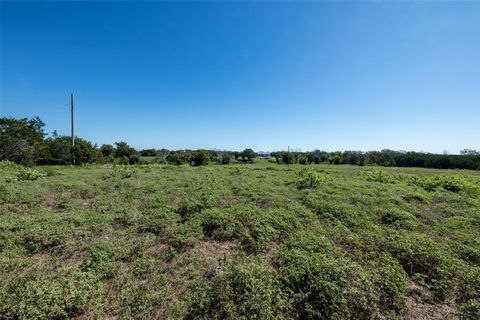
{"x":231,"y":75}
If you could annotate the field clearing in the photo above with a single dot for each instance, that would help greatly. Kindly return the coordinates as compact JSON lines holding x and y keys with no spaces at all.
{"x":239,"y":241}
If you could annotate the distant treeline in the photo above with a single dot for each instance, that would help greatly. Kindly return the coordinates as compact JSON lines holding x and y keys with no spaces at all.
{"x":24,"y":141}
{"x":467,"y":159}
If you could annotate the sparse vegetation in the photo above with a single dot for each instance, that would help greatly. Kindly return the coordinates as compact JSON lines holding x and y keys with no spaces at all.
{"x":237,"y":241}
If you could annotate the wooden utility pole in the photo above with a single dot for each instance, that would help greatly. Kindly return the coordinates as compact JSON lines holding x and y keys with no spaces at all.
{"x":73,"y":134}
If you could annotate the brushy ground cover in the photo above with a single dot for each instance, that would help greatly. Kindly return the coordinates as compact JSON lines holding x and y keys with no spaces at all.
{"x":256,"y":241}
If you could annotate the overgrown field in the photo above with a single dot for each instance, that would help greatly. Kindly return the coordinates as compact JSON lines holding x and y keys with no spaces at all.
{"x":255,"y":241}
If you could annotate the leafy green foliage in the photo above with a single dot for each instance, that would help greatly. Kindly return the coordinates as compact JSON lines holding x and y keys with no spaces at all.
{"x":38,"y":295}
{"x":325,"y":287}
{"x":5,"y":192}
{"x":309,"y":178}
{"x":139,"y":241}
{"x":248,"y":155}
{"x":21,"y":139}
{"x":421,"y":257}
{"x":30,"y":174}
{"x":245,"y":290}
{"x":200,"y":158}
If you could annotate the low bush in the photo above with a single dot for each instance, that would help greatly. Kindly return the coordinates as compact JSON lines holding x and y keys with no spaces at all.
{"x":140,"y":301}
{"x":5,"y":192}
{"x":255,"y":229}
{"x":36,"y":295}
{"x":391,"y":280}
{"x":100,"y":260}
{"x":309,"y":178}
{"x":156,"y":222}
{"x":244,"y":290}
{"x":43,"y":235}
{"x":399,"y":218}
{"x":30,"y":174}
{"x":9,"y":165}
{"x":449,"y":183}
{"x":218,"y":224}
{"x":469,"y":293}
{"x":320,"y":286}
{"x":329,"y":209}
{"x":422,"y":259}
{"x":380,"y":176}
{"x":308,"y":241}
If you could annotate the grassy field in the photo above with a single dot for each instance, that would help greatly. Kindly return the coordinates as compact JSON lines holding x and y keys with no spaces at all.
{"x":256,"y":241}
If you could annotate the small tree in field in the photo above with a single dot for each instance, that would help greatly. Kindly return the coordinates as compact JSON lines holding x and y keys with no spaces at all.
{"x":200,"y":158}
{"x":123,"y":149}
{"x":107,"y":150}
{"x":226,"y":158}
{"x":248,"y":155}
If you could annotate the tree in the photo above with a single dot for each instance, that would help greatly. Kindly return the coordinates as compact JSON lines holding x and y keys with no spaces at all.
{"x":21,"y":140}
{"x":287,"y":157}
{"x":134,"y":158}
{"x":226,"y":158}
{"x":248,"y":155}
{"x":317,"y":156}
{"x":200,"y":158}
{"x":60,"y":151}
{"x":107,"y":150}
{"x":148,"y":153}
{"x":469,"y":152}
{"x":123,"y":150}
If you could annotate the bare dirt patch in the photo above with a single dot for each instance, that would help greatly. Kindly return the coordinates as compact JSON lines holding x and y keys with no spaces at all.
{"x":421,"y":305}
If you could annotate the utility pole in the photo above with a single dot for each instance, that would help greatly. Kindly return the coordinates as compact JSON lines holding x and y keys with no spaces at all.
{"x":73,"y":134}
{"x":288,"y":155}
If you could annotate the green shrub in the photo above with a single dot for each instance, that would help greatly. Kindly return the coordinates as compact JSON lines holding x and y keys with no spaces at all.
{"x":323,"y":287}
{"x":134,"y":159}
{"x":9,"y":165}
{"x":218,"y":224}
{"x":255,"y":229}
{"x":449,"y":183}
{"x":469,"y":293}
{"x":5,"y":192}
{"x":244,"y":290}
{"x":226,"y":159}
{"x":380,"y":176}
{"x":140,"y":302}
{"x":200,"y":158}
{"x":471,"y":309}
{"x":30,"y":174}
{"x":156,"y":222}
{"x":37,"y":295}
{"x":391,"y":280}
{"x":421,"y":258}
{"x":308,"y":241}
{"x":100,"y":260}
{"x":330,"y":210}
{"x":189,"y":208}
{"x":43,"y":235}
{"x":185,"y":235}
{"x":399,"y":218}
{"x":309,"y":178}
